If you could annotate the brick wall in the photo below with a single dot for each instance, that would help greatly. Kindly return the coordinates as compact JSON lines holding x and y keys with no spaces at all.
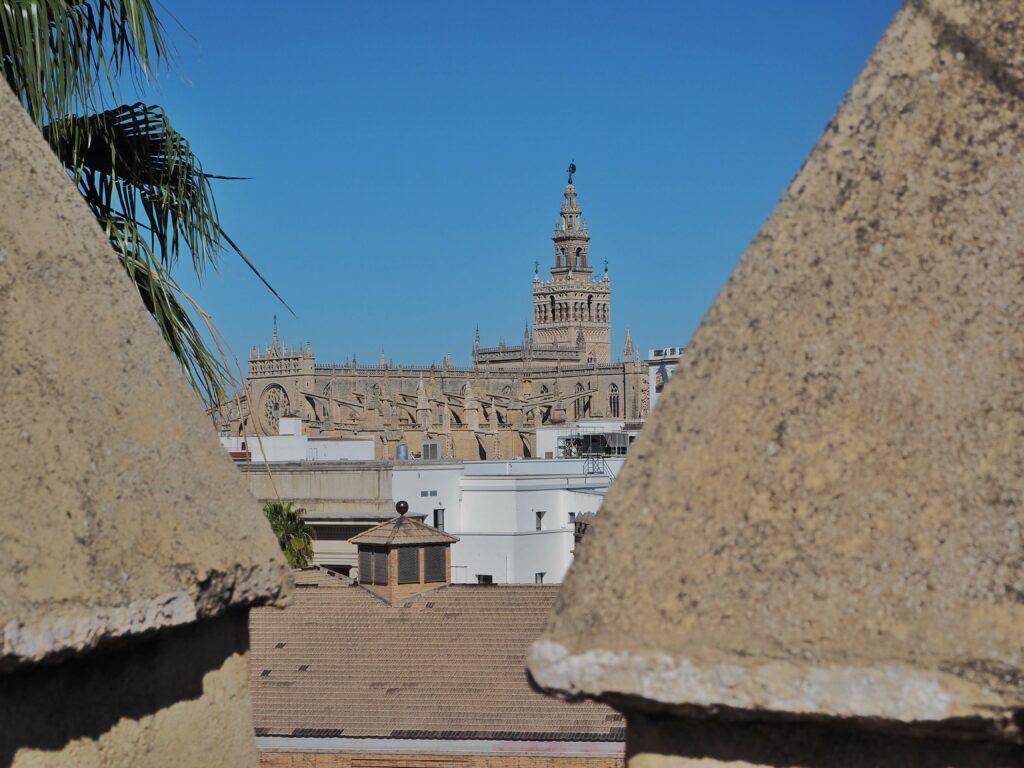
{"x":346,"y":760}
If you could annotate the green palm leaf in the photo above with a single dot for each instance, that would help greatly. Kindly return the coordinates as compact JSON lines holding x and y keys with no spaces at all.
{"x":293,"y":534}
{"x":65,"y":61}
{"x":63,"y":57}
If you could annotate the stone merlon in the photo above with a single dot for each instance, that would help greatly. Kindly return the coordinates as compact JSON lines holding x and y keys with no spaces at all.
{"x":124,"y":514}
{"x":825,"y":517}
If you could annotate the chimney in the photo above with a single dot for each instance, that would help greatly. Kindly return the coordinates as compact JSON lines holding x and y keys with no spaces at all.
{"x":402,"y":557}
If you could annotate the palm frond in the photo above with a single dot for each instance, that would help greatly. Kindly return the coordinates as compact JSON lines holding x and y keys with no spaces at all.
{"x":130,"y":161}
{"x":294,"y":535}
{"x":63,"y":57}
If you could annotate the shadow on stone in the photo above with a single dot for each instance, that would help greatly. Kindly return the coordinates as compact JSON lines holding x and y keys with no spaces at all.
{"x":803,"y":745}
{"x":47,"y":707}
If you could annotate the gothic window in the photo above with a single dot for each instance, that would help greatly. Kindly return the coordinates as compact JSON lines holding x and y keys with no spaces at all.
{"x":507,"y":391}
{"x":552,"y":309}
{"x":590,"y":307}
{"x":275,"y":405}
{"x":577,"y":403}
{"x":613,"y":401}
{"x":579,"y":257}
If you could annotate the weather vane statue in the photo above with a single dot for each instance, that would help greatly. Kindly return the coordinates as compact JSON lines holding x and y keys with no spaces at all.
{"x":572,"y":170}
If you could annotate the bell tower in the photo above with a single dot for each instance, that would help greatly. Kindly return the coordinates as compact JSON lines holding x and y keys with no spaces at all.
{"x":573,"y":304}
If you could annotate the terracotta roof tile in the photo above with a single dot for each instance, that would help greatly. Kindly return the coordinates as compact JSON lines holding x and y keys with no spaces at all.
{"x":454,"y":670}
{"x":403,"y":530}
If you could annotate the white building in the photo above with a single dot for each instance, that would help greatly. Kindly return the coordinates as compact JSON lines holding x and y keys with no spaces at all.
{"x":290,"y":444}
{"x":516,"y":520}
{"x":661,"y":364}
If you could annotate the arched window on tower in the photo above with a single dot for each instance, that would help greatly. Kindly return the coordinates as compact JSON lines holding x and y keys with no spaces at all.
{"x":590,"y":307}
{"x":579,"y":257}
{"x":613,"y":401}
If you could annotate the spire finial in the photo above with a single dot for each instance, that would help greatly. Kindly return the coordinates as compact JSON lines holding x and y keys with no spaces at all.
{"x":572,"y":169}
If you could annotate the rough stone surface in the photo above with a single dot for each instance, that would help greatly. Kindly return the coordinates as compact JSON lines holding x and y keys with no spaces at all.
{"x":123,"y":513}
{"x":831,"y":488}
{"x":179,"y":698}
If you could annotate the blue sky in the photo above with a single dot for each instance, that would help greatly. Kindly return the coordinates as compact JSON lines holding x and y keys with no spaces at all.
{"x":407,"y":159}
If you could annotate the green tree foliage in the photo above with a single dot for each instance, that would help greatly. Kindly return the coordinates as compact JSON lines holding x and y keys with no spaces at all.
{"x":65,"y":61}
{"x":292,"y":532}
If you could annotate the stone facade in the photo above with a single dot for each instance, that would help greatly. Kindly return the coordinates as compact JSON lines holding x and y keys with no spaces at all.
{"x":562,"y":371}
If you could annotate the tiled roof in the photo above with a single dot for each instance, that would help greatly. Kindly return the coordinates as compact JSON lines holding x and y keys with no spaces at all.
{"x":448,"y":664}
{"x":403,"y":530}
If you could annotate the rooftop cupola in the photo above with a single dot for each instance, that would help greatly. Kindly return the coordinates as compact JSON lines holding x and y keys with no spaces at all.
{"x":403,"y":557}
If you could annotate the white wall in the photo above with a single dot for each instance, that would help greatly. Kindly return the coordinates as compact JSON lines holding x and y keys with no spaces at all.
{"x":440,"y":483}
{"x":290,"y":444}
{"x":492,"y":507}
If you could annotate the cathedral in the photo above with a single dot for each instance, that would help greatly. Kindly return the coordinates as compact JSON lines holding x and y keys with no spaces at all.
{"x":562,"y":372}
